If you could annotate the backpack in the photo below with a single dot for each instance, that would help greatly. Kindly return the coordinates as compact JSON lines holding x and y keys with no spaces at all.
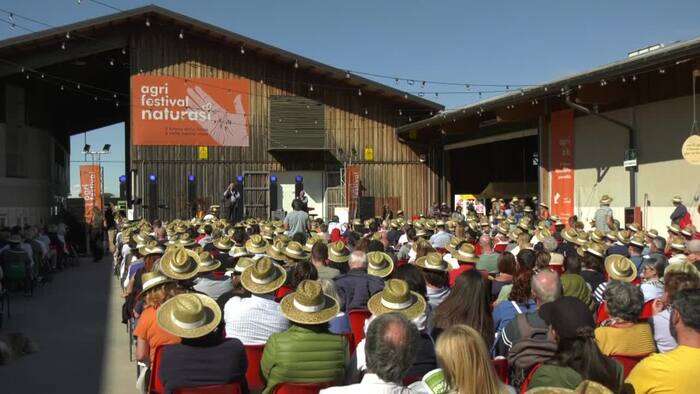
{"x":535,"y":346}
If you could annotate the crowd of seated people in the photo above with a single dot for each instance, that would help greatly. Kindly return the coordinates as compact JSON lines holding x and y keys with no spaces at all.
{"x":29,"y":255}
{"x":461,"y":303}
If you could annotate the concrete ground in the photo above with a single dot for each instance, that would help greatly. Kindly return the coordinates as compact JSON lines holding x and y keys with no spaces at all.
{"x":83,"y":346}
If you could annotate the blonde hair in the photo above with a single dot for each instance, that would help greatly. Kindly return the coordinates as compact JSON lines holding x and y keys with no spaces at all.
{"x":465,"y":361}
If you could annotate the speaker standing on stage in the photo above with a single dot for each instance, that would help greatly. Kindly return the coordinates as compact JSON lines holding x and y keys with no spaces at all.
{"x":304,"y":200}
{"x":233,"y":196}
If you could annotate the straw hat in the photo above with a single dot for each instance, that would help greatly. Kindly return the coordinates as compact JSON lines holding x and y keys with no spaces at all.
{"x":150,"y":280}
{"x":582,"y":238}
{"x":189,"y":315}
{"x":651,"y":233}
{"x":397,"y":297}
{"x":264,"y":276}
{"x":207,"y":262}
{"x":638,"y":240}
{"x":310,"y":242}
{"x":620,"y":267}
{"x":503,"y":228}
{"x":597,"y":236}
{"x":15,"y":239}
{"x":432,"y":261}
{"x":379,"y":264}
{"x":677,"y":199}
{"x":453,"y":244}
{"x":596,"y":249}
{"x":223,"y":243}
{"x":276,"y":251}
{"x":180,"y":263}
{"x":611,"y":235}
{"x":569,"y":234}
{"x":674,"y":228}
{"x":242,"y":264}
{"x":513,"y":235}
{"x":185,"y":240}
{"x":624,"y":236}
{"x":151,"y":247}
{"x":295,"y":251}
{"x":256,"y":244}
{"x":543,"y":205}
{"x":677,"y":243}
{"x":308,"y":304}
{"x":688,"y":230}
{"x":338,"y":253}
{"x":238,"y":251}
{"x":634,"y":227}
{"x":606,"y":200}
{"x":527,"y":209}
{"x":466,"y":254}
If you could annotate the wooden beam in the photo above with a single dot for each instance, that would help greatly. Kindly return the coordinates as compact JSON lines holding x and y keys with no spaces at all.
{"x":38,"y":59}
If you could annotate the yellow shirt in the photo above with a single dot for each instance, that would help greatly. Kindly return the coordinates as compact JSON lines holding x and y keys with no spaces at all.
{"x":636,"y":340}
{"x":672,"y":372}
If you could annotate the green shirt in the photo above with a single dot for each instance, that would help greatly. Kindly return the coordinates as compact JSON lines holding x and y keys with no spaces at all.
{"x":488,"y":262}
{"x":555,"y":376}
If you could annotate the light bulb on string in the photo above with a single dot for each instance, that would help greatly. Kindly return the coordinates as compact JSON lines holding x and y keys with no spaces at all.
{"x":62,"y":87}
{"x":111,"y":61}
{"x":405,"y":96}
{"x":624,"y":79}
{"x":437,"y":94}
{"x":296,"y":64}
{"x":114,"y":95}
{"x":78,"y":86}
{"x":396,"y":80}
{"x":242,"y":50}
{"x":410,"y":119}
{"x":467,"y":86}
{"x":27,"y":76}
{"x":634,"y":78}
{"x":42,"y":75}
{"x":359,"y":92}
{"x":95,"y":98}
{"x":400,"y":113}
{"x":116,"y":103}
{"x":662,"y":71}
{"x":148,"y":22}
{"x":123,"y":51}
{"x":63,"y":45}
{"x":311,"y":88}
{"x":347,"y":75}
{"x":366,"y":111}
{"x":67,"y":35}
{"x":21,"y":69}
{"x":181,"y":35}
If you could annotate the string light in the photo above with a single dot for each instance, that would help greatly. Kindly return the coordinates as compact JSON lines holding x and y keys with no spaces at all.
{"x":634,"y":78}
{"x":148,"y":22}
{"x":624,"y":79}
{"x":347,"y":75}
{"x":359,"y":92}
{"x":366,"y":111}
{"x":181,"y":35}
{"x":242,"y":50}
{"x":111,"y":61}
{"x":311,"y":88}
{"x":63,"y":45}
{"x":123,"y":51}
{"x":27,"y":76}
{"x":42,"y":75}
{"x":662,"y":71}
{"x":296,"y":64}
{"x":400,"y":113}
{"x":78,"y":86}
{"x":67,"y":35}
{"x":62,"y":87}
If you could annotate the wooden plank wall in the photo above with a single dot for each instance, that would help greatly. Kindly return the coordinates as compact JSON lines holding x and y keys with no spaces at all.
{"x":352,"y":121}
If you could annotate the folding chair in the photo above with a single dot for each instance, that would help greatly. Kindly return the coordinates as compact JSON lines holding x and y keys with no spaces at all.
{"x":254,"y":355}
{"x":357,"y":319}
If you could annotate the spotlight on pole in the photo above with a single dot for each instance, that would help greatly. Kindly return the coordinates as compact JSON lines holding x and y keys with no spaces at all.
{"x":106,"y":148}
{"x":86,"y":148}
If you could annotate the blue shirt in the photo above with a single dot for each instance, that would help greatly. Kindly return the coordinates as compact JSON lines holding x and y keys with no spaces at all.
{"x":506,"y":311}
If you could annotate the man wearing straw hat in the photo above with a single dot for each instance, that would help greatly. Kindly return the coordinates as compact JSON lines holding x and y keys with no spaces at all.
{"x":203,"y":357}
{"x":307,"y":352}
{"x":604,"y":215}
{"x":254,"y":319}
{"x":680,"y":215}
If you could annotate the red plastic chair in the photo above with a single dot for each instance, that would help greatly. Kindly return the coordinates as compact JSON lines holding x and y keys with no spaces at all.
{"x":501,"y":366}
{"x":647,"y":310}
{"x":301,"y":388}
{"x":409,"y":380}
{"x":357,"y":318}
{"x":231,"y":388}
{"x":628,"y":362}
{"x":283,"y":291}
{"x":528,"y":379}
{"x":401,"y":262}
{"x":602,"y":313}
{"x":155,"y":385}
{"x":254,"y":355}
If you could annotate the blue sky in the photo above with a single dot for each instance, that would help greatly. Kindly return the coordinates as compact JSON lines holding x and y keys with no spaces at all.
{"x":514,"y":42}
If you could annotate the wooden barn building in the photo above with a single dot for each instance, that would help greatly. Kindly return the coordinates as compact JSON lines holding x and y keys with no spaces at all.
{"x":295,"y":117}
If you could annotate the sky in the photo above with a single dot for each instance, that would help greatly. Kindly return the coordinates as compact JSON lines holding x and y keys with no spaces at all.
{"x":498,"y":42}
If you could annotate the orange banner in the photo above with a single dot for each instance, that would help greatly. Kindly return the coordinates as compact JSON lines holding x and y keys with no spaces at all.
{"x":90,"y":189}
{"x":352,"y":187}
{"x":198,"y":111}
{"x":562,"y":171}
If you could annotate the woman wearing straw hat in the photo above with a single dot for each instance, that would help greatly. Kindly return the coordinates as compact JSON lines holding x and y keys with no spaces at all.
{"x":296,"y":354}
{"x":397,"y":297}
{"x":618,"y":268}
{"x":157,"y":288}
{"x":255,"y":318}
{"x":203,"y":357}
{"x":179,"y":263}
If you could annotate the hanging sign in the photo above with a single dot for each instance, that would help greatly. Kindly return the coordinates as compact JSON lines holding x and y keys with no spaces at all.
{"x":192,"y":111}
{"x":562,"y":173}
{"x":90,"y":187}
{"x":691,"y":149}
{"x":369,"y":153}
{"x":203,"y":153}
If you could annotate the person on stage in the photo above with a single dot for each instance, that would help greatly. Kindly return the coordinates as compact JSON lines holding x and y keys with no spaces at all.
{"x":233,"y":197}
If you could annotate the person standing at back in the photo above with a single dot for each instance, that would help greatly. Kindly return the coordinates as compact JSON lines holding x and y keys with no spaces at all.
{"x":604,"y":215}
{"x":297,"y":221}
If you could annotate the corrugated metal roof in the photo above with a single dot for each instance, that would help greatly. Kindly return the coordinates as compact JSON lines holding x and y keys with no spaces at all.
{"x":228,"y":38}
{"x":674,"y":52}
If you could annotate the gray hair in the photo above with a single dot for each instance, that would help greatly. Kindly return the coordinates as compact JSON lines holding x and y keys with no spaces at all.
{"x":624,"y":300}
{"x":659,"y":243}
{"x":546,"y":286}
{"x":391,"y":347}
{"x":329,"y":289}
{"x":550,"y":244}
{"x":358,"y":259}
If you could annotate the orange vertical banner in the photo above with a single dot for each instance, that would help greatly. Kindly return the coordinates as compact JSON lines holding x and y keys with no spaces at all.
{"x":90,"y":189}
{"x":562,"y":171}
{"x":352,"y":187}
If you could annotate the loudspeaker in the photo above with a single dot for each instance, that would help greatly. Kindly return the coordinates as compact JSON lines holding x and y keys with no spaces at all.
{"x":152,"y":197}
{"x":298,"y":185}
{"x":192,"y":194}
{"x":273,"y":193}
{"x":123,"y":186}
{"x":365,"y":207}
